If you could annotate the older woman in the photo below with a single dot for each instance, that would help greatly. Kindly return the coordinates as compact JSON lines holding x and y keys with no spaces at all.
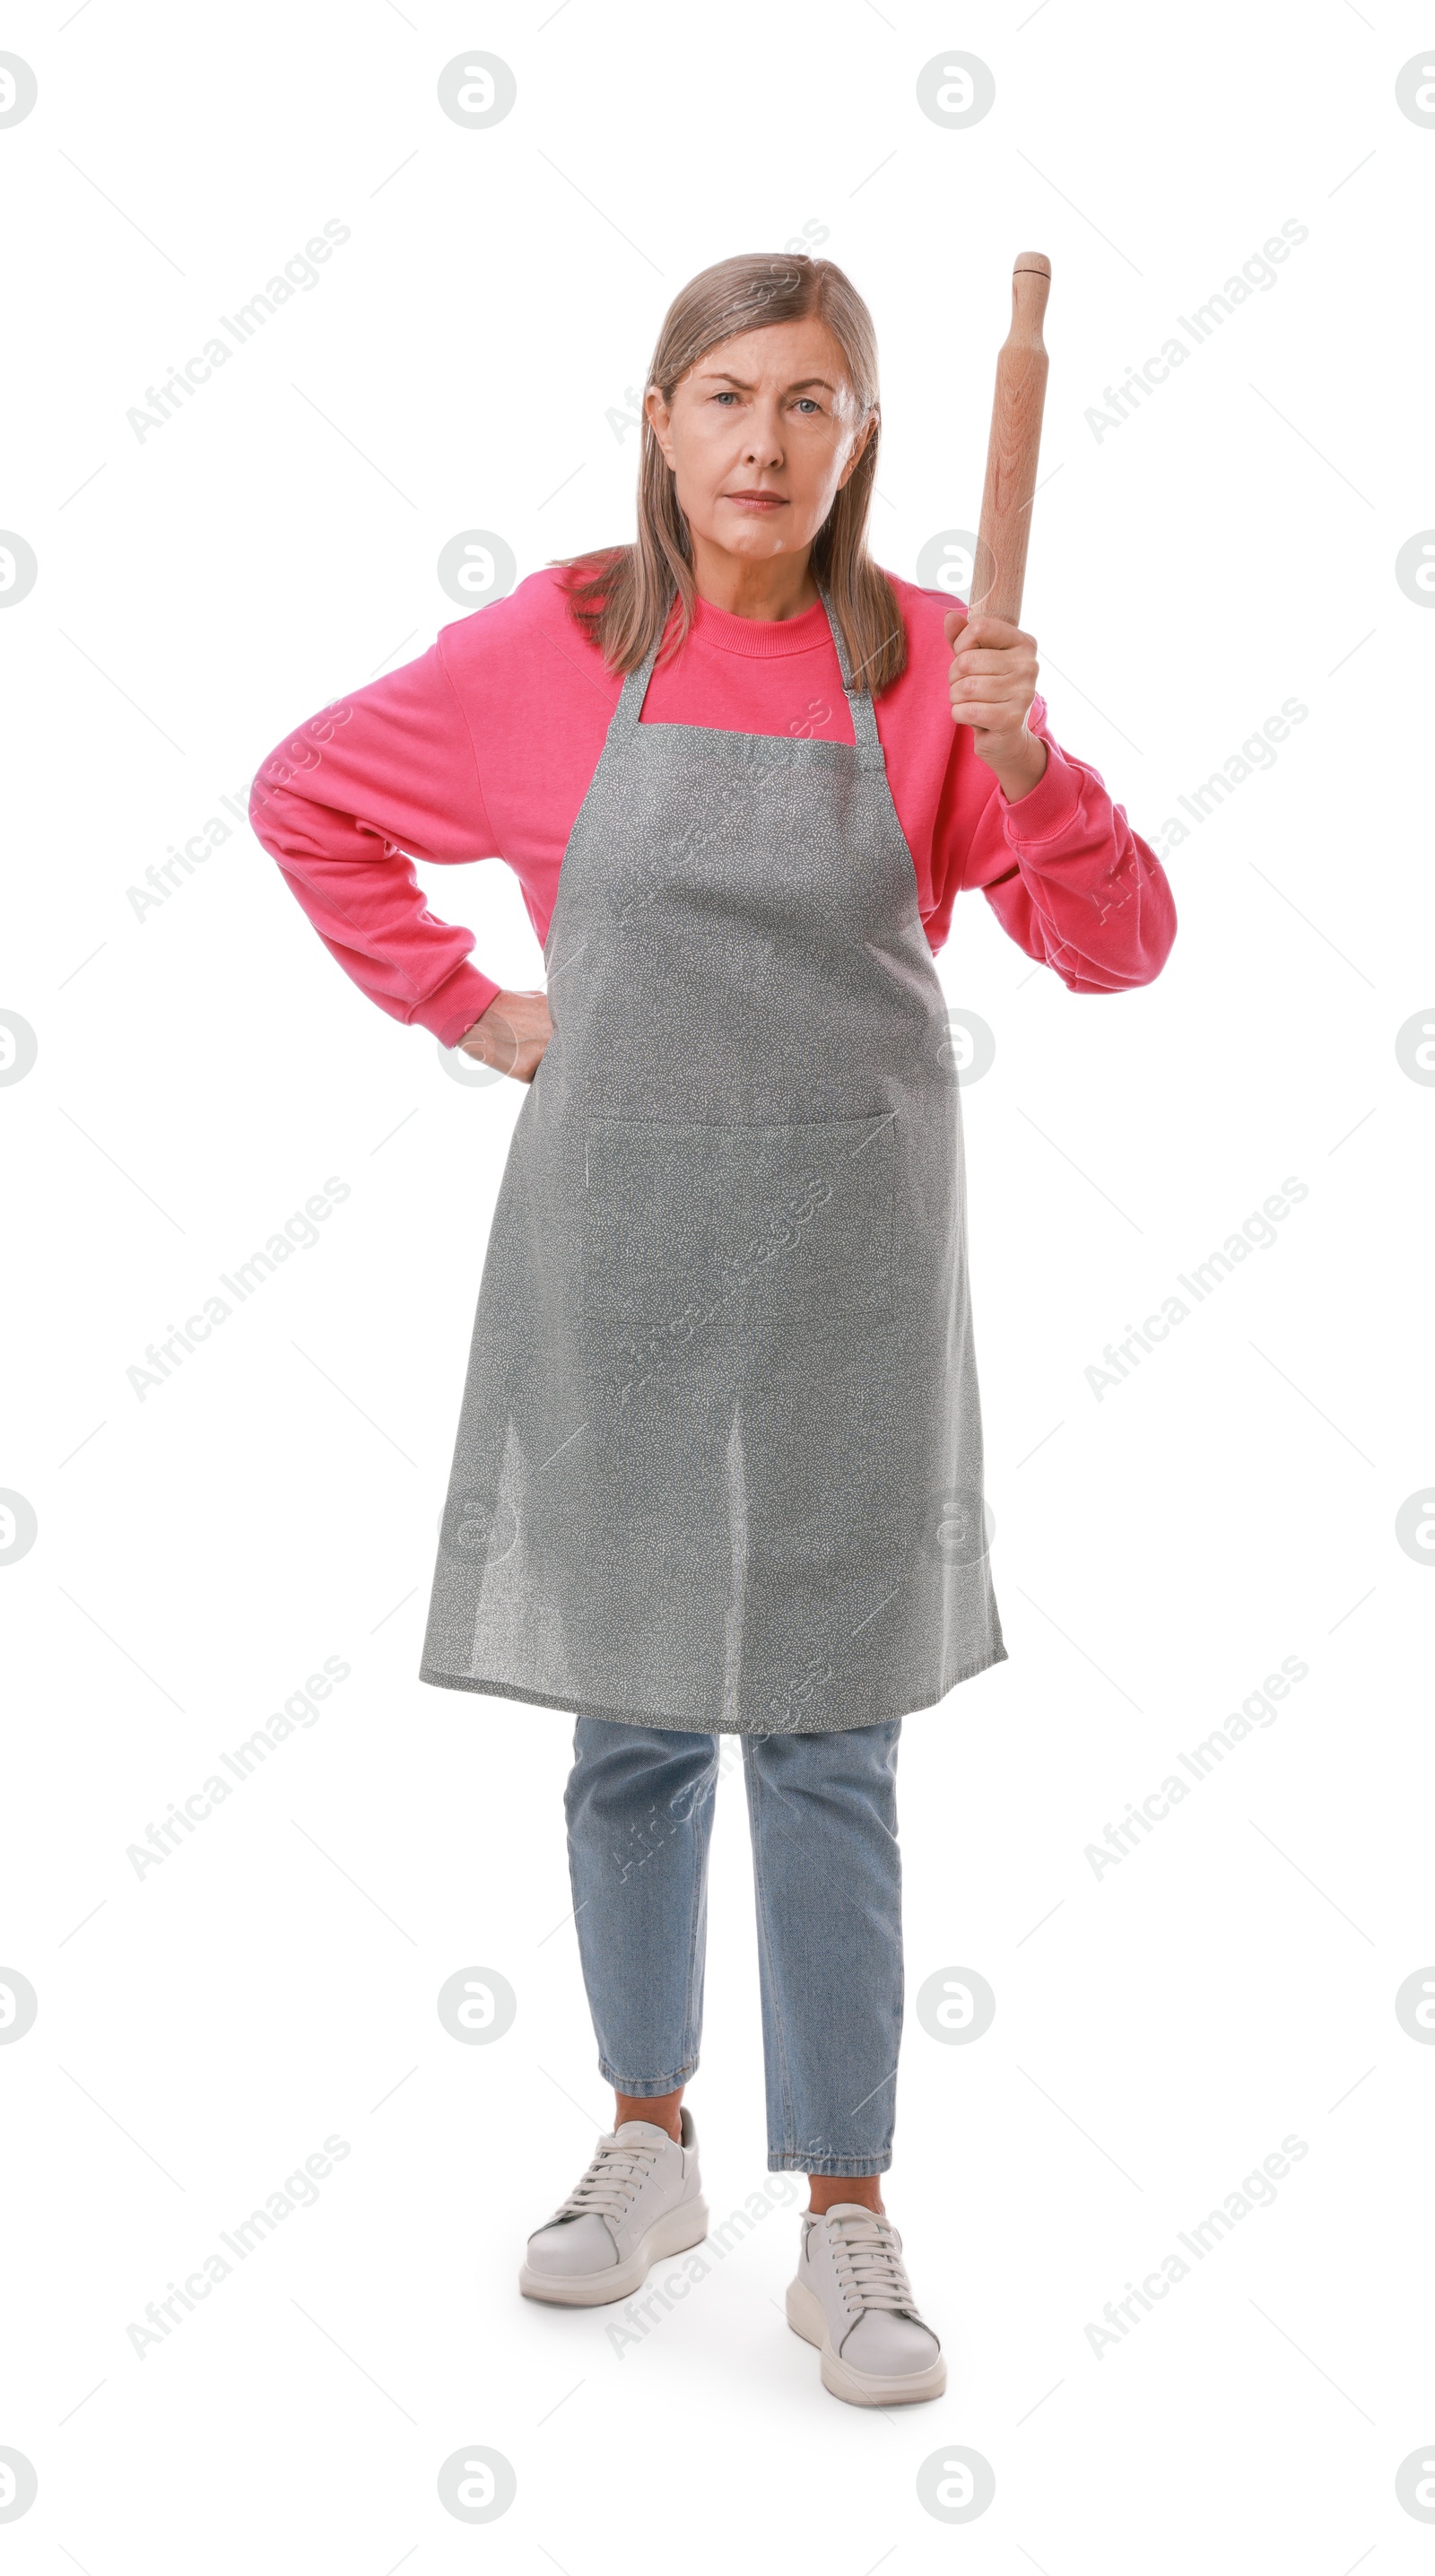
{"x":719,"y":1460}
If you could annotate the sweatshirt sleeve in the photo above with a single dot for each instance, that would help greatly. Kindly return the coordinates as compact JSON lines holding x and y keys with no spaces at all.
{"x":1065,"y":874}
{"x":384,"y":775}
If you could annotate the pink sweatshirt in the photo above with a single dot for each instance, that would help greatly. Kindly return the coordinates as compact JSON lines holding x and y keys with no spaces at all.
{"x":486,"y":745}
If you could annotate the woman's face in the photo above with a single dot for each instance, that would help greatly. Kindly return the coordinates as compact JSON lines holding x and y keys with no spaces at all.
{"x":761,"y":435}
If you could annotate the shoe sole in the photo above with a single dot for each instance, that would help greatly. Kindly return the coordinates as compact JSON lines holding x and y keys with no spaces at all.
{"x":674,"y":2233}
{"x":807,"y":2317}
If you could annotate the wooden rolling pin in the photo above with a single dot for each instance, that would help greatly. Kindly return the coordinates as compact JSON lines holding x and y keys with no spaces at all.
{"x":1000,"y":568}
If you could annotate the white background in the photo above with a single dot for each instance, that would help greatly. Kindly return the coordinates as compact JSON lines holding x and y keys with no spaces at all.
{"x":202,"y":1070}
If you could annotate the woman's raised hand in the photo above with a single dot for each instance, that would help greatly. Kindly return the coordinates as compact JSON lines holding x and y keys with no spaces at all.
{"x":511,"y":1034}
{"x":992,"y":681}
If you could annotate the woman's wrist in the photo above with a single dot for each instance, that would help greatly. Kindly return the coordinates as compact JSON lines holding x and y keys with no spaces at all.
{"x":1021,"y":769}
{"x":466,"y":1034}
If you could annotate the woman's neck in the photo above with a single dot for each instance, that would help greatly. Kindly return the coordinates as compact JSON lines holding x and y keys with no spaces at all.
{"x":774,"y":587}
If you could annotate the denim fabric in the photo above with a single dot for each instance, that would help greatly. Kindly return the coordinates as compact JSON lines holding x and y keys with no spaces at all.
{"x":823,"y":1815}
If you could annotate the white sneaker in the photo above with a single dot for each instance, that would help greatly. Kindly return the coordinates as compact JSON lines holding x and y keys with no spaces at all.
{"x":852,"y":2298}
{"x":640,"y":2199}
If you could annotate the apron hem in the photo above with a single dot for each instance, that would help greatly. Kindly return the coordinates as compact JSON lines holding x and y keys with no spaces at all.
{"x":708,"y":1726}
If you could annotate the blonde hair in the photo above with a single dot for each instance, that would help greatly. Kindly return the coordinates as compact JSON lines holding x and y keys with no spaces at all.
{"x":623,"y":596}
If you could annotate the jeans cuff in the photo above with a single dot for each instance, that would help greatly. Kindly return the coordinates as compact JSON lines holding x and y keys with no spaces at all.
{"x":818,"y":2161}
{"x":644,"y":2088}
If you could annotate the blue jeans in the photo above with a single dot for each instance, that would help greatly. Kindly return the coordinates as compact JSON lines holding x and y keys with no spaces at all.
{"x":823,"y":1814}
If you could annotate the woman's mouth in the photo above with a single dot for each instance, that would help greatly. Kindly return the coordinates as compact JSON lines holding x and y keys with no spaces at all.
{"x":757,"y":500}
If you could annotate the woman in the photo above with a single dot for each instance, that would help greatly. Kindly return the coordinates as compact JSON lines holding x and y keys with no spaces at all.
{"x":719,"y":1463}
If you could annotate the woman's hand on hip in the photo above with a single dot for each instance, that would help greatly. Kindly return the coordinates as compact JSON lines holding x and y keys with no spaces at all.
{"x":993,"y":682}
{"x":511,"y":1034}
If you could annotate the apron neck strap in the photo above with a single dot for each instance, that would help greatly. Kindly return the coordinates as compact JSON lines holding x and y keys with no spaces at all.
{"x":859,"y":701}
{"x":634,"y":689}
{"x":870,"y":754}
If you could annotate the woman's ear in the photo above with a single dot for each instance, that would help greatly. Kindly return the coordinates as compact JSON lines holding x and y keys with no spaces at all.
{"x":859,"y":447}
{"x":660,"y":419}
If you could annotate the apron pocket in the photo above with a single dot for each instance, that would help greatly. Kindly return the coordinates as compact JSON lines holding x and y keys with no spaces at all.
{"x":652,"y":1224}
{"x":812,"y":1216}
{"x":685,"y":1228}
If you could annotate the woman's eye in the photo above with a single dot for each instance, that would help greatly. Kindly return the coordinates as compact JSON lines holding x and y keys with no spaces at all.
{"x":806,"y":402}
{"x":725,"y":397}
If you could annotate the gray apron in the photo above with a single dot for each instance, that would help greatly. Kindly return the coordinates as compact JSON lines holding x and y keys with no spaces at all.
{"x":719,"y":1460}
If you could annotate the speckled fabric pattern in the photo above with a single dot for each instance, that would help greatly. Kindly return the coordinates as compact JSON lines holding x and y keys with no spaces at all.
{"x":719,"y":1458}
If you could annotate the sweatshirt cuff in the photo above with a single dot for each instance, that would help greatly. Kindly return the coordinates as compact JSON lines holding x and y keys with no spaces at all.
{"x":1048,"y":809}
{"x":450,"y":1012}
